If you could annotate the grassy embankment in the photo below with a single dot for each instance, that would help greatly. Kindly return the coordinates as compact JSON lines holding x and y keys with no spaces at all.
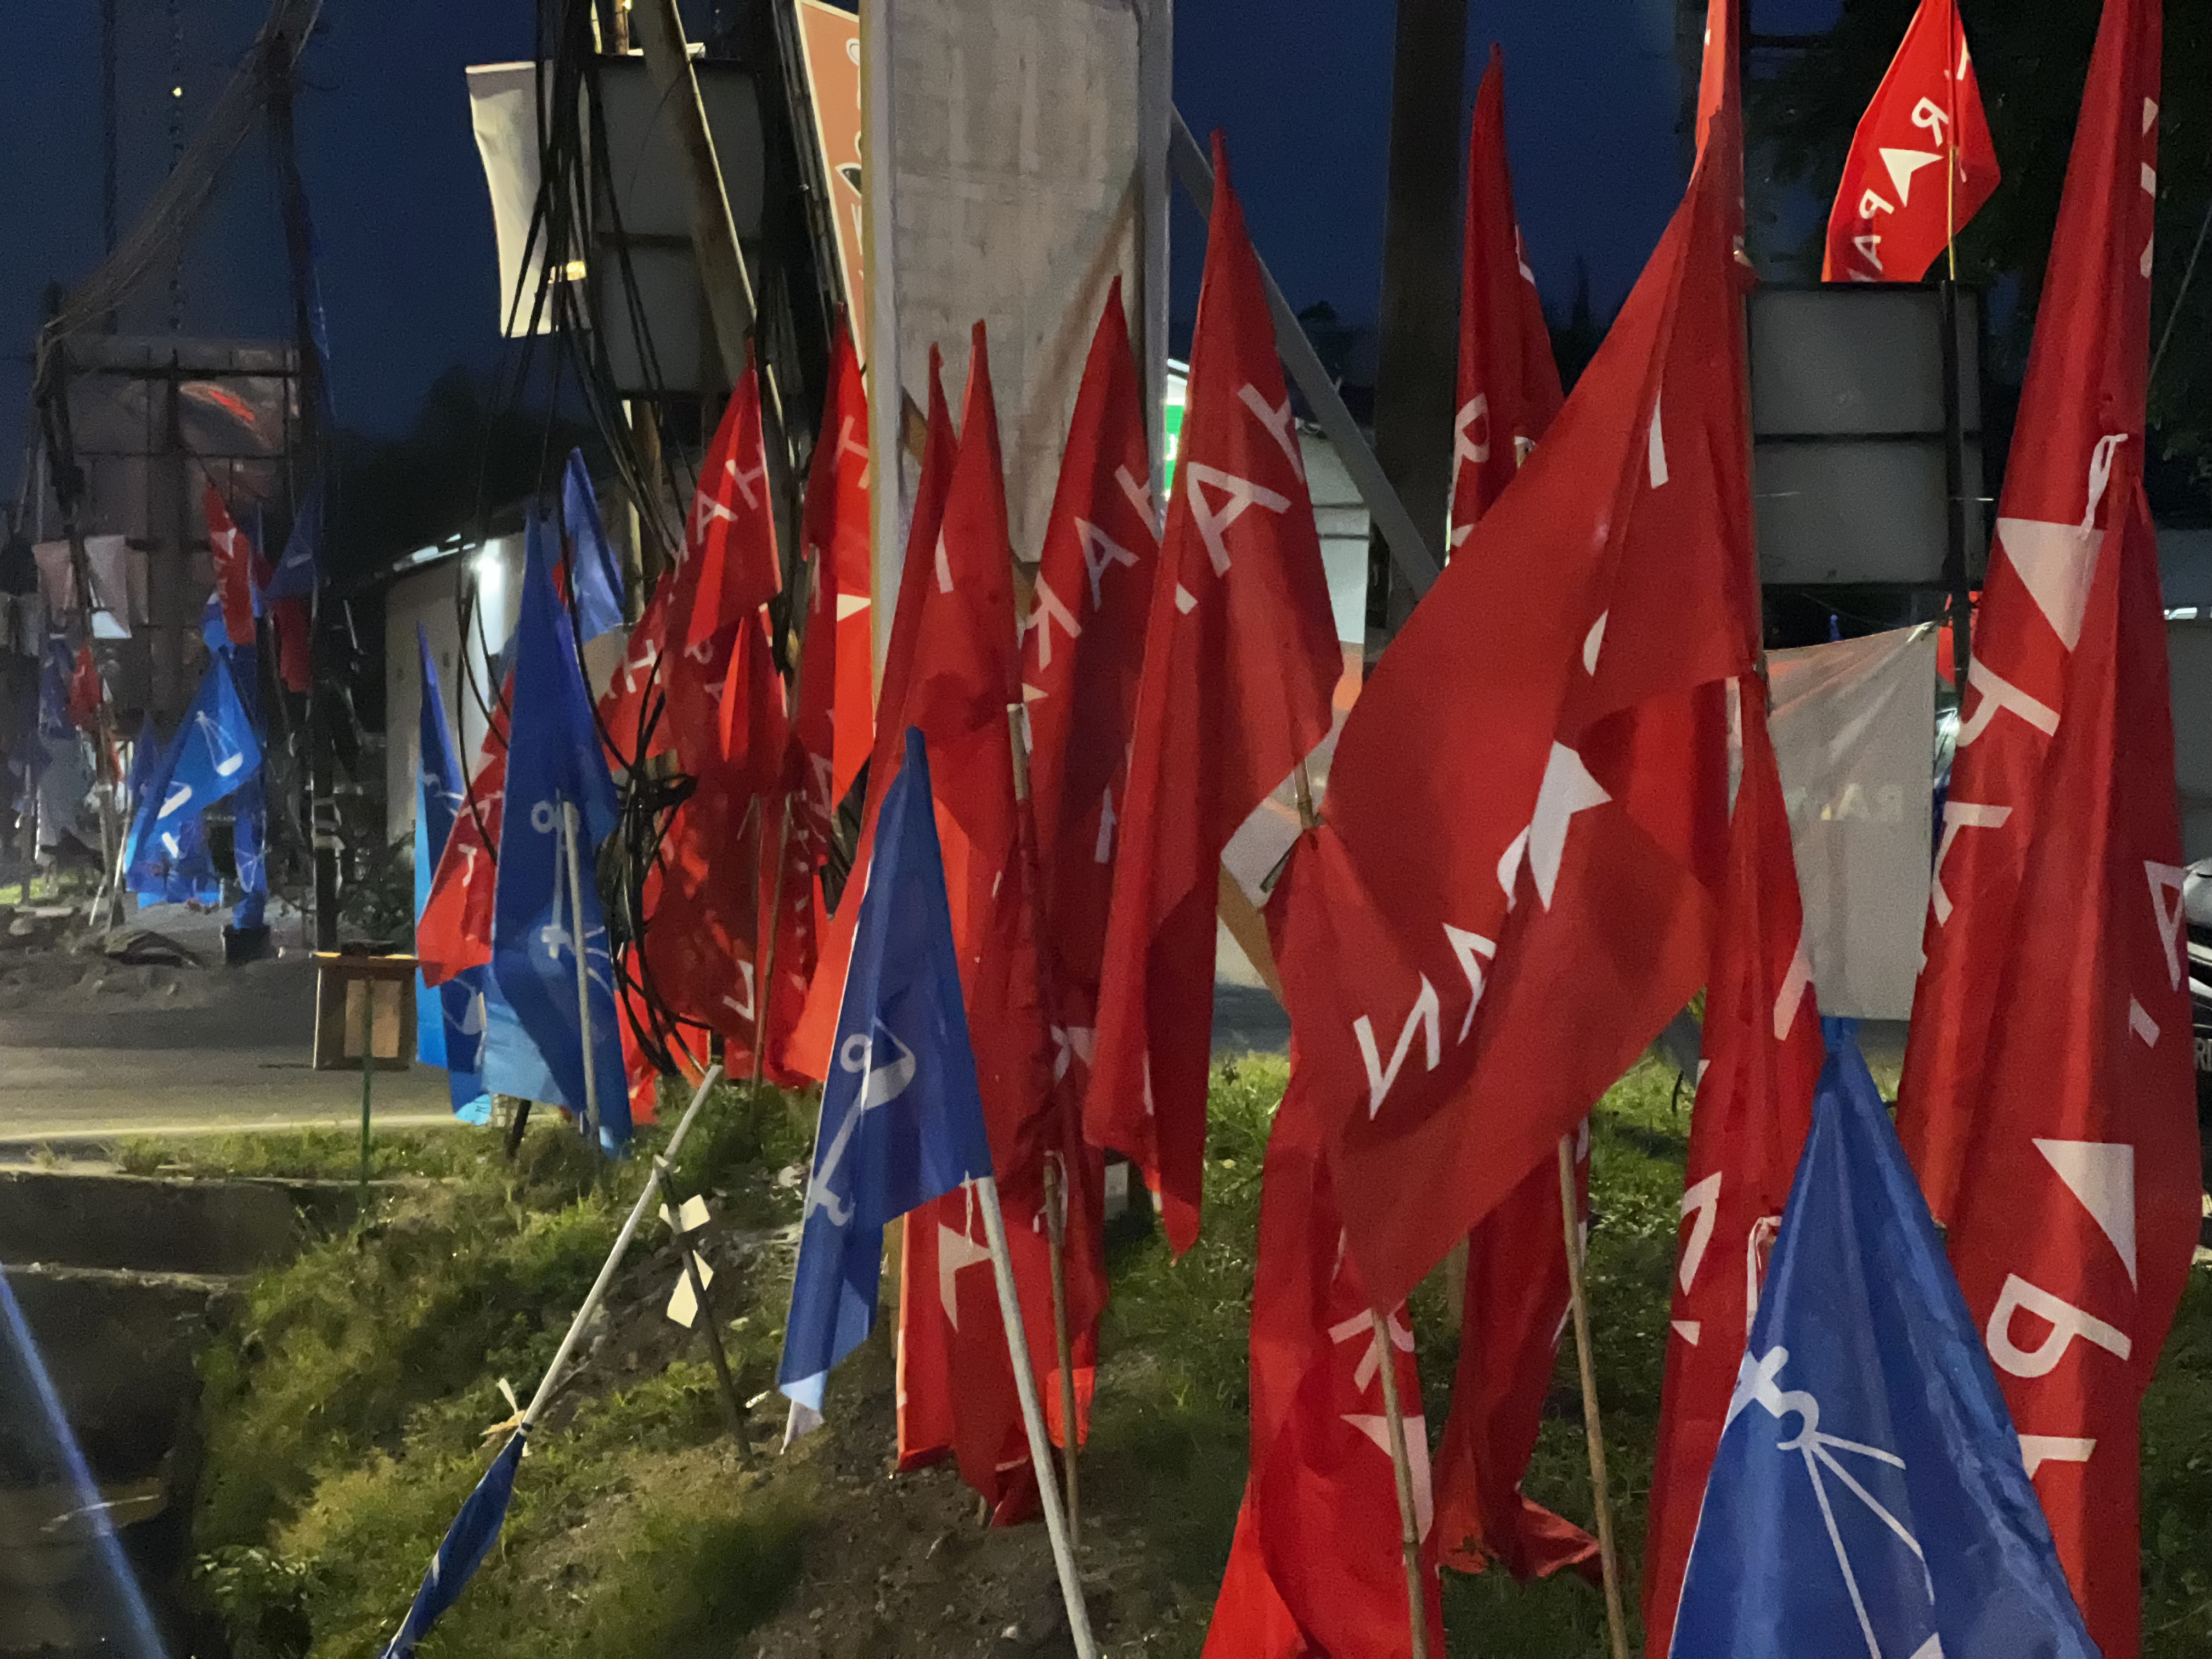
{"x":345,"y":1413}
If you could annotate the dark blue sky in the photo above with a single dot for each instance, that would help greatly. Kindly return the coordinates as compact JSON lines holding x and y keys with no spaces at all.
{"x":1302,"y":88}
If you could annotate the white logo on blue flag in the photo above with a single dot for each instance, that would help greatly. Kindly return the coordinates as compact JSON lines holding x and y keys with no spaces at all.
{"x":1874,"y":1504}
{"x":902,"y":1115}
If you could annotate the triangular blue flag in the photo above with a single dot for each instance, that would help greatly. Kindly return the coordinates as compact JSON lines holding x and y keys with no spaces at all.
{"x":213,"y":754}
{"x":1868,"y":1500}
{"x":462,"y":1550}
{"x":249,"y":807}
{"x":294,"y":576}
{"x":902,"y":1117}
{"x":554,"y":761}
{"x":449,"y":1022}
{"x":594,"y":569}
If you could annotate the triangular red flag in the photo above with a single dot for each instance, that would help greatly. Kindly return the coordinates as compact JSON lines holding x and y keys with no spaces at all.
{"x":1241,"y":657}
{"x":454,"y":930}
{"x":1515,"y":1298}
{"x":87,"y":691}
{"x":1762,"y":1054}
{"x":954,"y":1366}
{"x":1082,"y":650}
{"x":834,"y":726}
{"x":729,"y":571}
{"x":632,"y":710}
{"x":233,"y":568}
{"x":1482,"y":948}
{"x":1320,"y":1524}
{"x":1509,"y":381}
{"x":1895,"y":212}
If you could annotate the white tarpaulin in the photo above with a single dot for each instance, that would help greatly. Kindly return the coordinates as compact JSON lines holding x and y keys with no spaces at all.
{"x":1854,"y":726}
{"x":1011,"y":137}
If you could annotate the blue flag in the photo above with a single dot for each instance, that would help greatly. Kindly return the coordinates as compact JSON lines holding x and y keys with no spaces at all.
{"x":213,"y":754}
{"x":1868,"y":1500}
{"x":294,"y":576}
{"x":554,"y":761}
{"x":902,"y":1116}
{"x":449,"y":1019}
{"x":594,"y":569}
{"x":249,"y":808}
{"x":462,"y":1550}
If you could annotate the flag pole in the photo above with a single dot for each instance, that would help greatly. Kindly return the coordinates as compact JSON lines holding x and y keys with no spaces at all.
{"x":1409,"y":1520}
{"x":1056,"y":1201}
{"x":583,"y":975}
{"x":1017,"y":1351}
{"x":613,"y":1263}
{"x":1950,"y":141}
{"x":1586,"y":1362}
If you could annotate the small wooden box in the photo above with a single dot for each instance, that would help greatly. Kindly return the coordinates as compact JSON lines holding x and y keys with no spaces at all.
{"x":343,"y":984}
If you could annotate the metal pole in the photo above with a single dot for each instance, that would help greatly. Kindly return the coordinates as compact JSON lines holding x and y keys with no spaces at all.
{"x":1409,"y":1525}
{"x":1017,"y":1351}
{"x":1955,"y":580}
{"x":1616,"y":1620}
{"x":1416,"y":562}
{"x":583,"y":975}
{"x":368,"y":1084}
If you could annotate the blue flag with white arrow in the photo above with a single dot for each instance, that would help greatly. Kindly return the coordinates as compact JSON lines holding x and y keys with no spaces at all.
{"x":592,"y":566}
{"x":449,"y":1018}
{"x":462,"y":1550}
{"x":1868,"y":1500}
{"x":902,"y":1115}
{"x":214,"y":754}
{"x":535,"y":1048}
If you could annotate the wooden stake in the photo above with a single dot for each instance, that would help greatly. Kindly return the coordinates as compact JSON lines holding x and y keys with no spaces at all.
{"x":1615,"y":1620}
{"x":1409,"y":1520}
{"x":368,"y":1087}
{"x":1056,"y":1224}
{"x":709,"y":1322}
{"x":1017,"y":1351}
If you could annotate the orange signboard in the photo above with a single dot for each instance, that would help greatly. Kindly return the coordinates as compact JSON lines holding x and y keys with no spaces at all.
{"x":829,"y":41}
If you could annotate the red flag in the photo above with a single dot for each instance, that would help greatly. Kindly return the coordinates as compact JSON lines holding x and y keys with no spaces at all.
{"x":2081,"y":403}
{"x":1516,"y":1297}
{"x":1754,"y":1106}
{"x":295,"y":626}
{"x":729,"y":571}
{"x":1482,"y":948}
{"x":703,"y":900}
{"x":2073,"y":1241}
{"x":86,"y":691}
{"x":1512,"y":1316}
{"x":834,"y":726}
{"x":454,"y":930}
{"x":1082,"y":649}
{"x":632,"y":709}
{"x":233,"y":568}
{"x":954,"y":1368}
{"x":1895,"y":212}
{"x":818,"y":1024}
{"x":1240,"y":660}
{"x":1508,"y":381}
{"x":1321,"y":1526}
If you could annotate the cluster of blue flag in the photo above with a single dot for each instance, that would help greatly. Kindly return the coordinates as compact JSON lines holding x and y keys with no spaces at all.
{"x":214,"y":754}
{"x":1868,"y":1500}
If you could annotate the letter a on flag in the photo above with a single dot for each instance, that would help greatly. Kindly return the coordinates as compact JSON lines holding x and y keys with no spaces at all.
{"x":901,"y":1114}
{"x":1868,"y":1500}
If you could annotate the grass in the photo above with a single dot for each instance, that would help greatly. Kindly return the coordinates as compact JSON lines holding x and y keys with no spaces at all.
{"x":345,"y":1413}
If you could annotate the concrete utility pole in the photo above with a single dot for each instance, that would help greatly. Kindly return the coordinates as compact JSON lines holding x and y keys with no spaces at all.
{"x":1415,"y":372}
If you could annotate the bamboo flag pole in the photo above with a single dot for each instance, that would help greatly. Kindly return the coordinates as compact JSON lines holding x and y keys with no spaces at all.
{"x":1951,"y":143}
{"x":1586,"y":1361}
{"x":1055,"y":1211}
{"x":613,"y":1263}
{"x":1409,"y":1520}
{"x":1017,"y":1351}
{"x":583,"y":975}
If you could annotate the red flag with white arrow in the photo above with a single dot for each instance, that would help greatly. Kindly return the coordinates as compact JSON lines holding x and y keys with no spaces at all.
{"x":1895,"y":211}
{"x":1241,"y":657}
{"x":233,"y":554}
{"x":1509,"y":381}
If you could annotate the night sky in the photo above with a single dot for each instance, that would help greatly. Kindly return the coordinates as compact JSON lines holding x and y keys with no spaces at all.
{"x":1302,"y":88}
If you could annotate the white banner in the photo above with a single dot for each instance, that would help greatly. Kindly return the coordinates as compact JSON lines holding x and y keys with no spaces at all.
{"x":1854,"y":726}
